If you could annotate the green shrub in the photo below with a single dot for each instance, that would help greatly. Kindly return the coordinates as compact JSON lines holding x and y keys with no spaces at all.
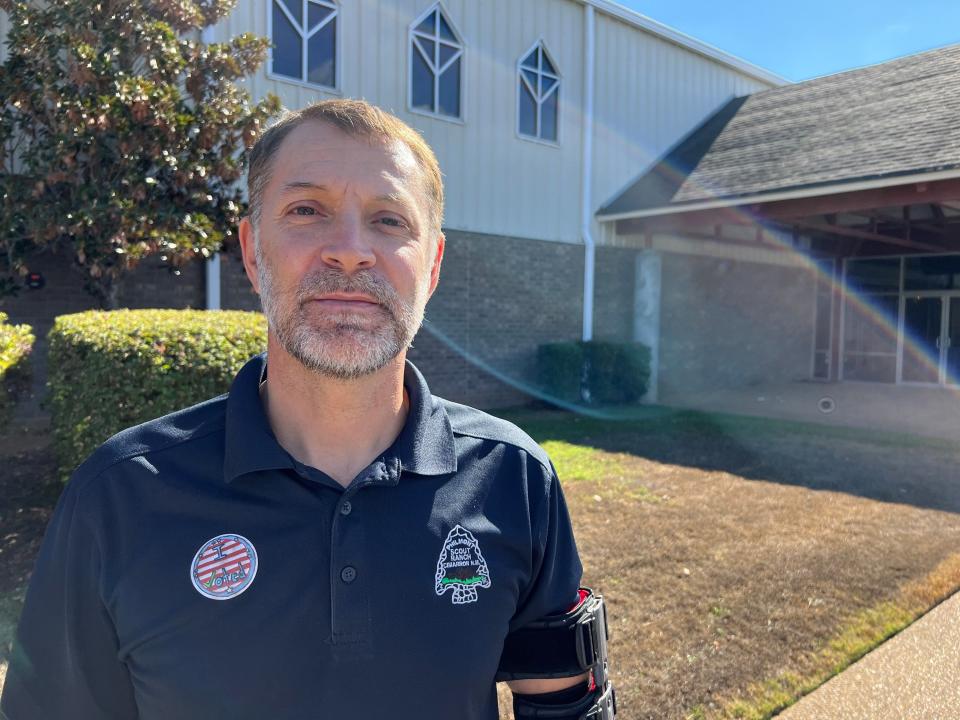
{"x":112,"y":370}
{"x":559,"y":366}
{"x":617,"y":373}
{"x":613,"y":373}
{"x":16,"y":342}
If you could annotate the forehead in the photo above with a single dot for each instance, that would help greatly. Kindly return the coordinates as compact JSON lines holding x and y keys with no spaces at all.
{"x":320,"y":153}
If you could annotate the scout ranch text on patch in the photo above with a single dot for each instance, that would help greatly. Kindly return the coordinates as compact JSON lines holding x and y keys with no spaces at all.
{"x":461,"y":566}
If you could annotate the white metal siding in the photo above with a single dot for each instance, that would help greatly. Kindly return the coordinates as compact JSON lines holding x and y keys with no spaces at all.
{"x":649,"y":94}
{"x":4,"y":28}
{"x":495,"y":182}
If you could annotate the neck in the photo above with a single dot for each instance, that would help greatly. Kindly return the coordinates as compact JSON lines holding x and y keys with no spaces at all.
{"x":337,"y":426}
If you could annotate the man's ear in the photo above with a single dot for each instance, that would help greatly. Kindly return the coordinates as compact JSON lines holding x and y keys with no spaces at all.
{"x":437,"y":260}
{"x":245,"y":231}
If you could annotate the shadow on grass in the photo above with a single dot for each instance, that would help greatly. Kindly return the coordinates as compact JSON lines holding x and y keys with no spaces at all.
{"x":884,"y":466}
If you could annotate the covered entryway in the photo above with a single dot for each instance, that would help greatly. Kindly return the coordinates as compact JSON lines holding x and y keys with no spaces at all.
{"x":810,"y":235}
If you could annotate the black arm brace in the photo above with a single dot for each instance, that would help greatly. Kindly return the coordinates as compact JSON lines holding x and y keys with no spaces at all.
{"x":563,"y":645}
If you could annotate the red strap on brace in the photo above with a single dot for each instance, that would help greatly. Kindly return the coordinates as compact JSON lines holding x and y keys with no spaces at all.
{"x":582,"y":595}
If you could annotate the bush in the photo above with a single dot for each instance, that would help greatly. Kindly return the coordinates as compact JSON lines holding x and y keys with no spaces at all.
{"x":559,"y":368}
{"x":610,"y":373}
{"x":16,"y":342}
{"x":112,"y":370}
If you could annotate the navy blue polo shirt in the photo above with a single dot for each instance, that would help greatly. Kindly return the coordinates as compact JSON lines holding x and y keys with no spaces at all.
{"x":194,"y":569}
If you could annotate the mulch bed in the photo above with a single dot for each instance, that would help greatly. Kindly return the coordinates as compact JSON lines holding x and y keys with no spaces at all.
{"x":29,"y":489}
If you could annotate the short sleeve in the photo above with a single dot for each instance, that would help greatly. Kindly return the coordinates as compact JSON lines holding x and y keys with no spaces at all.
{"x":557,"y":570}
{"x":65,"y":662}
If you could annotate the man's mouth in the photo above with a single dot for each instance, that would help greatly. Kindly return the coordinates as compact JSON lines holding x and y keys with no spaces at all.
{"x":340,"y":302}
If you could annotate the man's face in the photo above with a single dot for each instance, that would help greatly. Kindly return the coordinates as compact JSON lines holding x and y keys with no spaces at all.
{"x":342,"y":216}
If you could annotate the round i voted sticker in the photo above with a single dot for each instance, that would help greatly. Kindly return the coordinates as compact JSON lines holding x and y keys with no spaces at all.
{"x":224,"y":567}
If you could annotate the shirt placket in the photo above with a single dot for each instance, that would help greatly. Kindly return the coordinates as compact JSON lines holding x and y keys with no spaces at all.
{"x":353,"y":589}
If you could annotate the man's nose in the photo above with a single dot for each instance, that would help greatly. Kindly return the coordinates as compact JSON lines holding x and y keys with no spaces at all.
{"x":346,"y":246}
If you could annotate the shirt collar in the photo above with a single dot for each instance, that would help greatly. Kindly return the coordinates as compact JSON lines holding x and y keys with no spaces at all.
{"x":425,"y":445}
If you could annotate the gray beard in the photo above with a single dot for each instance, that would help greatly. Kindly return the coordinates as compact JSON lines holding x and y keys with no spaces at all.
{"x":348,"y":346}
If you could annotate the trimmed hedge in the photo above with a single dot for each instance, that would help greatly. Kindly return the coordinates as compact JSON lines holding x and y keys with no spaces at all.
{"x":611,"y":373}
{"x":110,"y":370}
{"x":16,"y":343}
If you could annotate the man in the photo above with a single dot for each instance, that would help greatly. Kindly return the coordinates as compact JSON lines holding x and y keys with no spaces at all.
{"x":356,"y":547}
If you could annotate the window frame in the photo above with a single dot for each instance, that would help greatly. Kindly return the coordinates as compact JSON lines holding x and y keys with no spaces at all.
{"x":411,"y":31}
{"x":338,"y":50}
{"x":542,"y":44}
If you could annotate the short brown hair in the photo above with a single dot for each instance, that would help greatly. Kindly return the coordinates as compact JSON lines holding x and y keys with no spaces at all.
{"x":356,"y":118}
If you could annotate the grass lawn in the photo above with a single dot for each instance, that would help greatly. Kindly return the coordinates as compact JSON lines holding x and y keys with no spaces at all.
{"x":744,"y":561}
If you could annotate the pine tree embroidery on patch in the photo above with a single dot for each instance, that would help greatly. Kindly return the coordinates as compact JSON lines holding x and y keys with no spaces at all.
{"x":461,"y":566}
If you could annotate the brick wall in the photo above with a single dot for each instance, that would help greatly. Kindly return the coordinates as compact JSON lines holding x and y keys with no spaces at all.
{"x":730,"y":324}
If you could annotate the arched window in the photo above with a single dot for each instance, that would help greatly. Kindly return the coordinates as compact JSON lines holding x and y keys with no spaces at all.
{"x":304,"y":35}
{"x":538,"y":92}
{"x":436,"y":65}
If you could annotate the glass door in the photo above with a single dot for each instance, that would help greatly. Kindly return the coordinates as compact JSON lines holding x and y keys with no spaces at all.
{"x":922,"y":329}
{"x":952,"y":342}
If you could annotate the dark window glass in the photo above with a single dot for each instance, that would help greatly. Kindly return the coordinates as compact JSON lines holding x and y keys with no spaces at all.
{"x":821,"y":366}
{"x":870,"y":339}
{"x":530,"y":60}
{"x":548,"y":83}
{"x":322,"y":54}
{"x":876,"y":275}
{"x":445,"y":32}
{"x":822,"y":327}
{"x":941,"y":272}
{"x":428,"y":25}
{"x":450,"y":90}
{"x":446,"y":52}
{"x":317,"y":14}
{"x":922,"y":317}
{"x":287,"y":48}
{"x":428,"y":48}
{"x":296,"y":9}
{"x":548,"y":118}
{"x":531,"y":78}
{"x":528,"y":112}
{"x":422,"y":81}
{"x":547,"y":67}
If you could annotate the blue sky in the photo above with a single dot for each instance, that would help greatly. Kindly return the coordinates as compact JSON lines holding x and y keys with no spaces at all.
{"x":808,"y":38}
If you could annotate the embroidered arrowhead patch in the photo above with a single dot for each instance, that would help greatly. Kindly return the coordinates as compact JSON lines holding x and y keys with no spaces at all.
{"x":461,"y":566}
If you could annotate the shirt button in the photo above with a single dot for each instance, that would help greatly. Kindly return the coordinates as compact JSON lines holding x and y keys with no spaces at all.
{"x":348,"y":574}
{"x":346,"y":508}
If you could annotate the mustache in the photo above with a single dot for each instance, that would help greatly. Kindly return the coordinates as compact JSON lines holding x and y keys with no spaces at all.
{"x":364,"y":283}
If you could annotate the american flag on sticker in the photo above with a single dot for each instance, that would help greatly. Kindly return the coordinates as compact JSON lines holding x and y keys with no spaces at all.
{"x":224,"y":567}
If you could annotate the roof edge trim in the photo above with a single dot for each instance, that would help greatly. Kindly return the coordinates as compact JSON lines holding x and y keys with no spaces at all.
{"x":796,"y":194}
{"x":691,"y":43}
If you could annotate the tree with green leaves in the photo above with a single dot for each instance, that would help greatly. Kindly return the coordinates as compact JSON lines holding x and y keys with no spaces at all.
{"x":122,"y":134}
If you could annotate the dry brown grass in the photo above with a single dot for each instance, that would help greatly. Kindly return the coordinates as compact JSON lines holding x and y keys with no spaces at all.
{"x":762,"y":545}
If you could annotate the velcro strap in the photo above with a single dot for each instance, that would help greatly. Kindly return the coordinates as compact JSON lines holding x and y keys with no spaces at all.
{"x":559,"y":645}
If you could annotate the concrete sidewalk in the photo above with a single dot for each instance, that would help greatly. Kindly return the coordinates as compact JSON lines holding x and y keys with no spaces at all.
{"x":915,"y":675}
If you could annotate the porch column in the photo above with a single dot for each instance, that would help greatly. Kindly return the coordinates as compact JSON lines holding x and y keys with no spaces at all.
{"x":646,"y":313}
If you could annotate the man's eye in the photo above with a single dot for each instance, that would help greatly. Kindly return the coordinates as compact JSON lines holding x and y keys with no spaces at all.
{"x":297,"y":210}
{"x":393,"y":222}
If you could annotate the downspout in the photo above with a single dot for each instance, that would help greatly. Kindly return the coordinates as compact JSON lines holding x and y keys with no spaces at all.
{"x":587,"y":169}
{"x":213,"y":263}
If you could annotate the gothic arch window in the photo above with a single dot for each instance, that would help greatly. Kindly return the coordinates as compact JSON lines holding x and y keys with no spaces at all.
{"x":304,"y":36}
{"x":436,"y":65}
{"x":538,"y":93}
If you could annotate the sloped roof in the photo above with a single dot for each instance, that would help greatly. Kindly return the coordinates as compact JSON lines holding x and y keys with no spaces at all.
{"x":898,"y":118}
